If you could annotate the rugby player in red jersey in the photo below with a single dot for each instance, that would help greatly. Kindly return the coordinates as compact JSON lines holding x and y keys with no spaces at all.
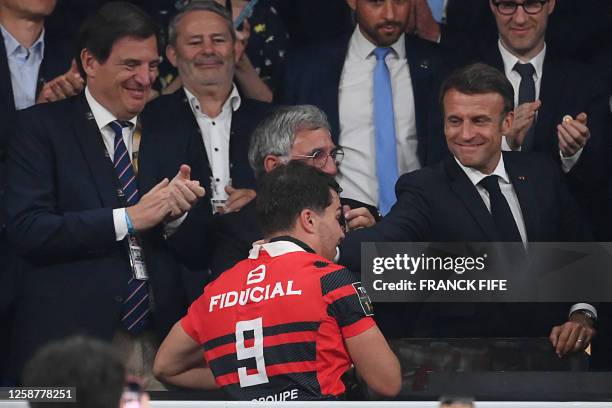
{"x":286,"y":323}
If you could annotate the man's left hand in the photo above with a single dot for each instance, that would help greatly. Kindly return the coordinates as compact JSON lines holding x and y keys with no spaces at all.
{"x":574,"y":335}
{"x":573,"y":135}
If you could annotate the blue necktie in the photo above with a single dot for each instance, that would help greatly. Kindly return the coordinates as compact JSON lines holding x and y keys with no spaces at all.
{"x":135,"y":308}
{"x":384,"y":126}
{"x":437,"y":9}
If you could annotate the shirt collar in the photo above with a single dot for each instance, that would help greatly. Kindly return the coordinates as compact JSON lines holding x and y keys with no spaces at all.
{"x":362,"y":48}
{"x":102,"y":115}
{"x":234,"y":100}
{"x":476,"y":176}
{"x":510,"y":60}
{"x":277,"y":248}
{"x":13,"y":47}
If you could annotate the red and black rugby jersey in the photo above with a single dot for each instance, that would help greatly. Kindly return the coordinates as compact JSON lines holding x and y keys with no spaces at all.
{"x":272,"y":327}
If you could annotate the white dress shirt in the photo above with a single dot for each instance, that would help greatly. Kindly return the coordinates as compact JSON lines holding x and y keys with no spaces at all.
{"x":103,"y":117}
{"x":356,"y":110}
{"x":514,"y":77}
{"x":24,"y":65}
{"x":507,"y":190}
{"x":216,"y":136}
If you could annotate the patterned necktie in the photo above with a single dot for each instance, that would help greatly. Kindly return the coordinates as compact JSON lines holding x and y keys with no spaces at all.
{"x":384,"y":126}
{"x":500,"y":210}
{"x":437,"y":9}
{"x":527,"y":93}
{"x":135,"y":308}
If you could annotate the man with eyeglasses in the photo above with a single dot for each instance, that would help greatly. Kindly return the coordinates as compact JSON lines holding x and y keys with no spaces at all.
{"x":561,"y":106}
{"x":290,"y":133}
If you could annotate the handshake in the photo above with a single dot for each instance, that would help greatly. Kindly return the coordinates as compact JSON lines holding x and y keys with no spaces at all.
{"x":167,"y":201}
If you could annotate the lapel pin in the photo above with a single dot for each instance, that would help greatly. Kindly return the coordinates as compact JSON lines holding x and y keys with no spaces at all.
{"x":424,"y":64}
{"x":522,"y":178}
{"x":89,"y":116}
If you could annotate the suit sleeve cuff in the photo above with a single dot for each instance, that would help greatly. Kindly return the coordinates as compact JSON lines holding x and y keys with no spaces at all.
{"x":121,"y":228}
{"x":586,"y":306}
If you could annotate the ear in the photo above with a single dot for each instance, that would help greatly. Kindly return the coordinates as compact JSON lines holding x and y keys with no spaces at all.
{"x":171,"y":55}
{"x":352,"y":4}
{"x":89,"y":63}
{"x":271,"y":162}
{"x":307,"y":221}
{"x":550,"y":6}
{"x":506,"y":124}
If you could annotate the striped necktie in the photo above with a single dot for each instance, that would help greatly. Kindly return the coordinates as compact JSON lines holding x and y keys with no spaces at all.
{"x":135,"y":309}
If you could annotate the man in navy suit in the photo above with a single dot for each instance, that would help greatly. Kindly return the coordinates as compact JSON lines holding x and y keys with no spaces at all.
{"x":206,"y":124}
{"x":454,"y":201}
{"x":341,"y":77}
{"x":93,"y":259}
{"x":32,"y":64}
{"x":561,"y":106}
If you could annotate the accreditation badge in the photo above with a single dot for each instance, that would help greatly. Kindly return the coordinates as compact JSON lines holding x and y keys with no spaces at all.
{"x":139,"y":269}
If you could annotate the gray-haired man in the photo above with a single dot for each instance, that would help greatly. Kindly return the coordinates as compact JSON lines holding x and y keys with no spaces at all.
{"x":291,"y":133}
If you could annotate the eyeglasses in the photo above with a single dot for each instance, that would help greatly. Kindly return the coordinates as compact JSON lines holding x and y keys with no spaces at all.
{"x":319,"y":157}
{"x":508,"y":8}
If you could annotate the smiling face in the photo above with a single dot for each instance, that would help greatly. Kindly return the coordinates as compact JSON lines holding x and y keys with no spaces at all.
{"x":523,"y":34}
{"x":473,"y":126}
{"x":204,"y":53}
{"x":122,"y":84}
{"x":381,"y":21}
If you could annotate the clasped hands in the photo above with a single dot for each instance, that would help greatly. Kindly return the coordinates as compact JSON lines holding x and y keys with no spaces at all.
{"x":167,"y":201}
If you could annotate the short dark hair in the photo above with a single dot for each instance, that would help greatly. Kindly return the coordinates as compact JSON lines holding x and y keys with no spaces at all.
{"x":110,"y":23}
{"x":200,"y":5}
{"x":287,"y":190}
{"x":479,"y":79}
{"x":90,"y":365}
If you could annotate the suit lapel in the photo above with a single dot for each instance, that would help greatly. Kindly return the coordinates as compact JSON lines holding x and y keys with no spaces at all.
{"x":523,"y":186}
{"x":90,"y":141}
{"x":421,"y":77}
{"x":465,"y":190}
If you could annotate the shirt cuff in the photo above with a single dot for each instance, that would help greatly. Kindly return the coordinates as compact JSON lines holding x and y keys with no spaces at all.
{"x":121,"y":228}
{"x":586,"y":306}
{"x":506,"y":147}
{"x":171,"y":227}
{"x":567,"y":163}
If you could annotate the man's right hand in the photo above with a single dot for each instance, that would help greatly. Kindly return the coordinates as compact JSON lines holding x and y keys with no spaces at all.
{"x":152,"y":208}
{"x":524,"y":116}
{"x":184,"y":193}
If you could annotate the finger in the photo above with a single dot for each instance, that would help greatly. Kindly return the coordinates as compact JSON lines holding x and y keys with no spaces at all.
{"x":568,"y":338}
{"x":66,"y":86}
{"x":572,"y":145}
{"x":582,"y":118}
{"x":75,"y":81}
{"x":57,"y":91}
{"x":554,"y":336}
{"x":236,"y":205}
{"x":581,"y":340}
{"x":186,"y":192}
{"x":196,"y":188}
{"x":346,"y":209}
{"x":229,"y":190}
{"x":564,"y":335}
{"x":577,"y":129}
{"x":177,"y":198}
{"x":159,"y":186}
{"x":573,"y":338}
{"x":184,"y":173}
{"x":563,"y":146}
{"x":235,"y":196}
{"x":358,"y":222}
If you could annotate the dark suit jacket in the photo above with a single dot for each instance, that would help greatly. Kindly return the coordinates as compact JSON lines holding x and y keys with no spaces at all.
{"x":171,"y":137}
{"x":56,"y":61}
{"x":312,"y":76}
{"x":568,"y":88}
{"x":61,"y":192}
{"x":440,"y":204}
